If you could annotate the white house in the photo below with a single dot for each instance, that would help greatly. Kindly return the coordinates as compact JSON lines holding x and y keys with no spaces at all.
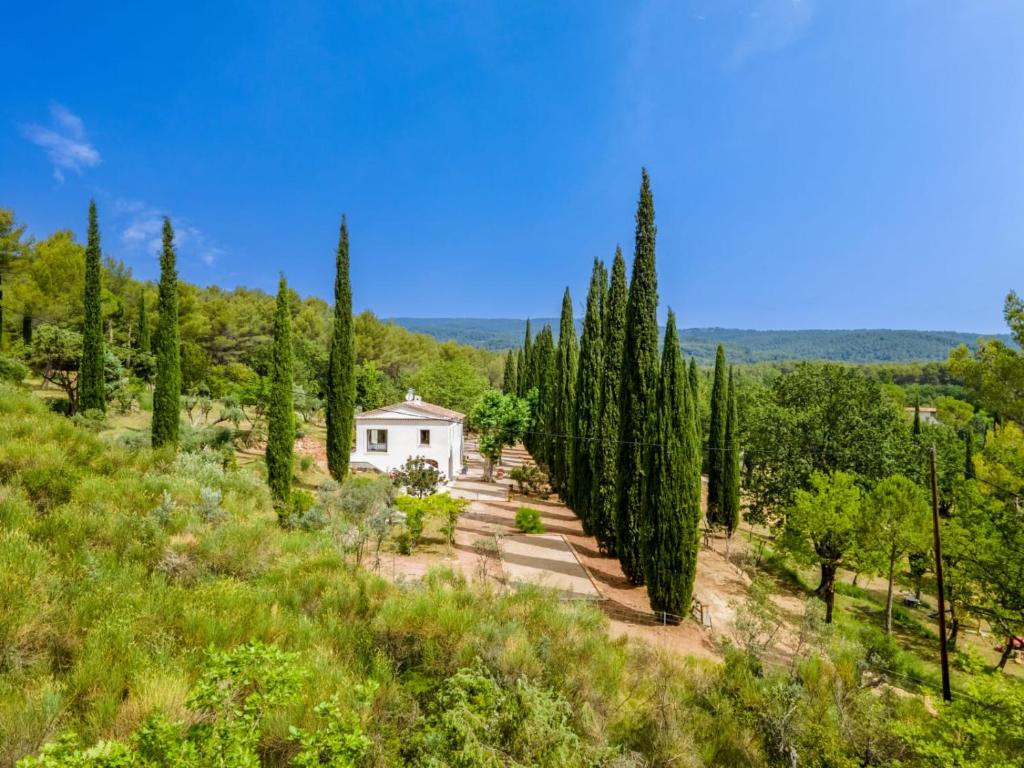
{"x":386,"y":437}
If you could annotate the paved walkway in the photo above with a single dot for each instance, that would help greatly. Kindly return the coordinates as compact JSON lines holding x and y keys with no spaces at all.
{"x":546,"y":559}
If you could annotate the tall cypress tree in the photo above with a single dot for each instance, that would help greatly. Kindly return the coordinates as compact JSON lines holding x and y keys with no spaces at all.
{"x":716,"y":439}
{"x":144,"y":338}
{"x":731,"y":467}
{"x":528,"y":377}
{"x":604,"y":494}
{"x":564,"y":402}
{"x":544,"y":375}
{"x":92,"y":387}
{"x":508,"y":379}
{"x":639,"y":390}
{"x":520,"y":373}
{"x":588,"y":397}
{"x":693,"y":393}
{"x":673,"y":497}
{"x":917,"y":418}
{"x":280,"y":409}
{"x":167,"y":386}
{"x":694,"y":380}
{"x":341,"y":373}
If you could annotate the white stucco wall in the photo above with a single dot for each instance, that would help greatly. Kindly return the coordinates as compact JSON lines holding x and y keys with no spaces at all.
{"x":404,"y":442}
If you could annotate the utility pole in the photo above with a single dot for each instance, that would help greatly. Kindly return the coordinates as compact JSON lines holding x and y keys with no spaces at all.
{"x":943,"y":653}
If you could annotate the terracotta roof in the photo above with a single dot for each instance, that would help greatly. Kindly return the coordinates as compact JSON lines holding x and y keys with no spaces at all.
{"x":427,"y":409}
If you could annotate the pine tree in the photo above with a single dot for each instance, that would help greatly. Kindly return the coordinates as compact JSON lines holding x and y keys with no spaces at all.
{"x":731,"y":467}
{"x":639,"y":391}
{"x":673,"y":497}
{"x":341,"y":374}
{"x":564,"y":403}
{"x":167,"y":386}
{"x":508,"y":379}
{"x":588,"y":397}
{"x":144,"y":338}
{"x":543,"y":356}
{"x":280,"y":409}
{"x":969,"y":454}
{"x":604,"y":494}
{"x":716,"y":439}
{"x":92,"y":387}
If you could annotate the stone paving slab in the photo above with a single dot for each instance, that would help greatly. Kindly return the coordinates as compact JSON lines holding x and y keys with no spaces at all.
{"x":546,"y":559}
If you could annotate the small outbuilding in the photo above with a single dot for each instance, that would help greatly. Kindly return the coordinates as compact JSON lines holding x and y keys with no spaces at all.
{"x":387,"y":437}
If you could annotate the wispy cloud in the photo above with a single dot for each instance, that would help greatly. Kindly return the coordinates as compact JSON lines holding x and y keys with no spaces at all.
{"x":141,"y":228}
{"x":772,"y":26}
{"x":64,"y":141}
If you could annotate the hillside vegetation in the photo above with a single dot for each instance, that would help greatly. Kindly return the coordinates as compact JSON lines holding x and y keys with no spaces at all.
{"x":742,"y":346}
{"x":152,"y":607}
{"x":225,"y":334}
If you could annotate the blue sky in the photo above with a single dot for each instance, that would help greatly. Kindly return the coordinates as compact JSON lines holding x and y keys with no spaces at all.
{"x":815,"y":164}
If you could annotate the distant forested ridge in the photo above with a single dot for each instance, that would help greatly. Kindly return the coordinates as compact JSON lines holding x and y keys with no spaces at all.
{"x":742,"y":346}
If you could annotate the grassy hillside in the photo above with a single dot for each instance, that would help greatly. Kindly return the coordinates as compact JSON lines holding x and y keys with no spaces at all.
{"x":742,"y":346}
{"x":152,"y":613}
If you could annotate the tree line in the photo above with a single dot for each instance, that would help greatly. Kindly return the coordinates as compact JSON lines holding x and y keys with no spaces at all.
{"x":616,"y":425}
{"x":225,"y":336}
{"x":340,"y":380}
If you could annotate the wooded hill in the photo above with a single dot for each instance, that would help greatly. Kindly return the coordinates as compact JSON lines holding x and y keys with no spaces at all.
{"x":742,"y":346}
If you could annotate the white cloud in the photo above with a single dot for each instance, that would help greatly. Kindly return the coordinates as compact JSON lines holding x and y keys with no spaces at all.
{"x":64,"y":141}
{"x":775,"y":25}
{"x":142,"y":224}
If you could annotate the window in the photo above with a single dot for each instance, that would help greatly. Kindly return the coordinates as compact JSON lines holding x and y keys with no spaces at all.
{"x":424,"y":437}
{"x":376,"y":441}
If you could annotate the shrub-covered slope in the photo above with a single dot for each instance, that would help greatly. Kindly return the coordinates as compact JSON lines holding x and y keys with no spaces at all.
{"x":152,"y":613}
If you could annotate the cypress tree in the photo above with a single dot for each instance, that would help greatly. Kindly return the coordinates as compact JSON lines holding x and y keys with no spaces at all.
{"x":144,"y":339}
{"x":716,"y":439}
{"x":605,"y":499}
{"x":694,"y":381}
{"x":92,"y":387}
{"x":694,"y":395}
{"x":639,"y":391}
{"x":588,"y":398}
{"x":341,"y":374}
{"x":564,"y":402}
{"x":917,"y":418}
{"x":544,"y":376}
{"x":508,"y":379}
{"x":167,"y":386}
{"x":673,"y":497}
{"x":731,"y":467}
{"x":280,"y":410}
{"x":529,"y":372}
{"x":520,"y":373}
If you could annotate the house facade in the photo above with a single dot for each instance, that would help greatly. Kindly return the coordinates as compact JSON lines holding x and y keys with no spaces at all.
{"x":386,"y":437}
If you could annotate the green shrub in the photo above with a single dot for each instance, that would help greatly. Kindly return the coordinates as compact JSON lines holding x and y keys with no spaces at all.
{"x":48,"y":486}
{"x":528,"y":477}
{"x":528,"y":520}
{"x":12,"y":370}
{"x":93,"y":420}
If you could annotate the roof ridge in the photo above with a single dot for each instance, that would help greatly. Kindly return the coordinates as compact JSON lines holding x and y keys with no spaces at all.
{"x":415,"y":405}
